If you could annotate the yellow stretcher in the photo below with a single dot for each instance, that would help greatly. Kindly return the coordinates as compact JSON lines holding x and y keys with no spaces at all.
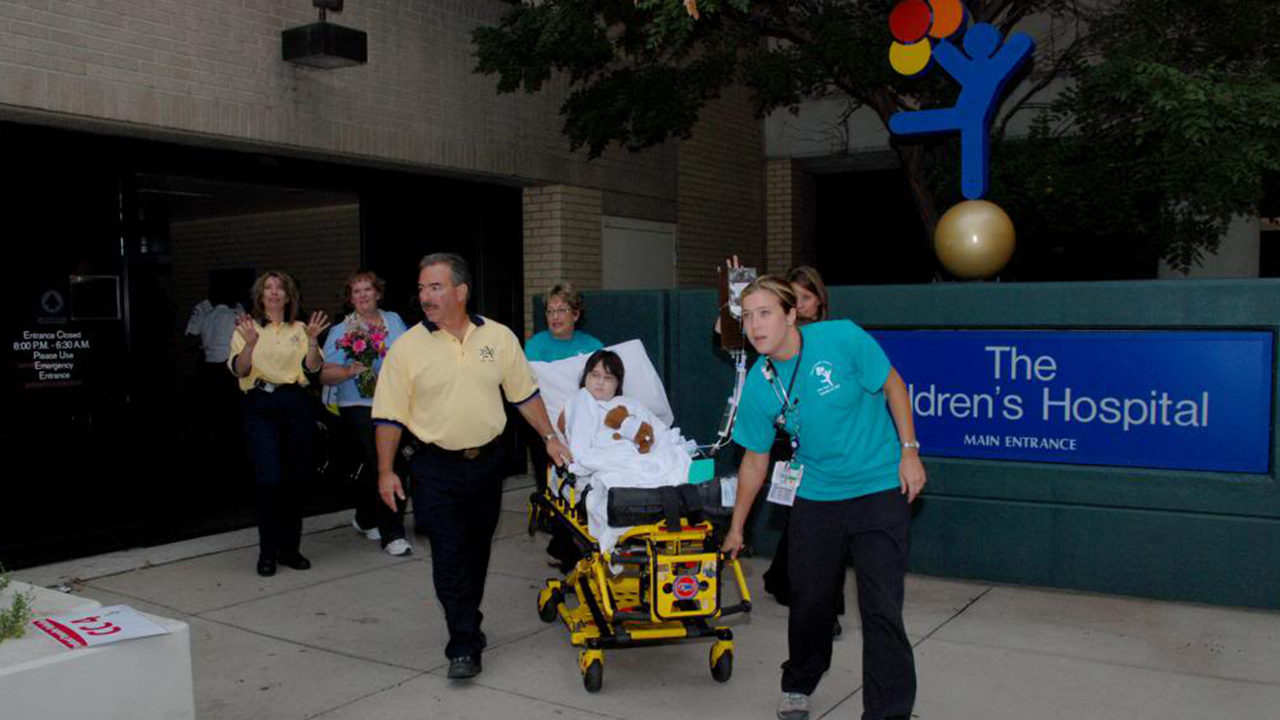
{"x":669,"y":588}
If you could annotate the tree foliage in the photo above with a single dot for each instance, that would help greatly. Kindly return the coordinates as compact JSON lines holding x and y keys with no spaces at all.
{"x":1153,"y":119}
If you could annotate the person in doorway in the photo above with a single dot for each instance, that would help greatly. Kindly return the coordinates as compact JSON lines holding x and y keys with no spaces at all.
{"x":444,"y":381}
{"x":367,"y":332}
{"x":210,"y":327}
{"x":271,"y":353}
{"x":855,"y":470}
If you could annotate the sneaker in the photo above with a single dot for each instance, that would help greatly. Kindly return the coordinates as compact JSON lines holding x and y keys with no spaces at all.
{"x":792,"y":706}
{"x":399,"y":548}
{"x":461,"y":668}
{"x":372,"y":533}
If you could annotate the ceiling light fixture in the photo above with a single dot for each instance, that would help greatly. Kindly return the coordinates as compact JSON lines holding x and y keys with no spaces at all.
{"x":325,"y":45}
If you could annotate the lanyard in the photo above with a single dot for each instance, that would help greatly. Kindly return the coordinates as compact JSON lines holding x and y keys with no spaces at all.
{"x":785,"y":397}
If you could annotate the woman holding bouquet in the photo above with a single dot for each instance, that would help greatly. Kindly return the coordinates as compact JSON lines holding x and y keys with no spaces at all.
{"x":352,"y":358}
{"x":271,"y":353}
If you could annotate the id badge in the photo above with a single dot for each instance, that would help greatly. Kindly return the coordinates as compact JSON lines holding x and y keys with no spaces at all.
{"x":786,"y":481}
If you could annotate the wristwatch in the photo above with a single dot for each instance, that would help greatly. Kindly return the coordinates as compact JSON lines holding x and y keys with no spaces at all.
{"x":911,"y":445}
{"x":549,"y":437}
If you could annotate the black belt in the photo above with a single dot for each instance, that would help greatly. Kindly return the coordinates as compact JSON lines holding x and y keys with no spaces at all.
{"x":266,"y":387}
{"x":464,"y":454}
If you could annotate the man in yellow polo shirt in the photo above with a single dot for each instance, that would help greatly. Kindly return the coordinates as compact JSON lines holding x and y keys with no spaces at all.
{"x":444,"y":381}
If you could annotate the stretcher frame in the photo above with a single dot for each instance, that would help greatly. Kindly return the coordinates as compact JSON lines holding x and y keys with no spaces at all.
{"x":669,"y":588}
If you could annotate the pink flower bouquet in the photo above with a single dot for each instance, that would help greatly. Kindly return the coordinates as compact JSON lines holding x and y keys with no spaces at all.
{"x":365,"y":345}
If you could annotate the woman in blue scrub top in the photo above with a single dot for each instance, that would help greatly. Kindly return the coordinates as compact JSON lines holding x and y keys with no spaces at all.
{"x":848,"y":413}
{"x":374,"y":519}
{"x":561,"y":339}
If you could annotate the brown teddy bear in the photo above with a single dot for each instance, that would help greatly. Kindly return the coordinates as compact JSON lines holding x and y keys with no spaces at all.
{"x":644,"y":435}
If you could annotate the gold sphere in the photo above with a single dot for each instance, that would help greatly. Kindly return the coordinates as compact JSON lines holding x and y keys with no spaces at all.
{"x":974,"y":239}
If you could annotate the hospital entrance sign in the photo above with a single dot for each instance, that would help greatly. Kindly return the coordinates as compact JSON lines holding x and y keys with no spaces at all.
{"x":1195,"y":400}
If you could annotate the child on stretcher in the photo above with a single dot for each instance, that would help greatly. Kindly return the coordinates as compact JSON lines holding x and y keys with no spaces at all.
{"x":618,"y":442}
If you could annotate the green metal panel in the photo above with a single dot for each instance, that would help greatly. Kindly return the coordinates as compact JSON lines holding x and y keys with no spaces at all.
{"x":1199,"y":536}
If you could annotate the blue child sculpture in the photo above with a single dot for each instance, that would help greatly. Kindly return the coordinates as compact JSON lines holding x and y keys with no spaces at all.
{"x":982,"y":71}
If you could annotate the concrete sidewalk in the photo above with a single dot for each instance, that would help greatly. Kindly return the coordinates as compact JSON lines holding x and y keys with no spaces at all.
{"x":360,"y":636}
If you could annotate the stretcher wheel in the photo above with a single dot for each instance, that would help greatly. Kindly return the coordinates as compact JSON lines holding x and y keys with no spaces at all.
{"x":722,"y":666}
{"x":593,"y":678}
{"x":549,"y":602}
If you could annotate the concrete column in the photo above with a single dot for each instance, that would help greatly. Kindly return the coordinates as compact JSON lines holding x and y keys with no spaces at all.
{"x":721,"y":193}
{"x":789,"y":218}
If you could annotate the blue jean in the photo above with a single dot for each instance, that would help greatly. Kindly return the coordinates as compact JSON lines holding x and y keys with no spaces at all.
{"x":280,"y":433}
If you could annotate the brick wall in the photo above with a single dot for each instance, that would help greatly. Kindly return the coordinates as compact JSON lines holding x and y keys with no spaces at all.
{"x":561,"y":241}
{"x":319,"y":247}
{"x":211,"y":72}
{"x":790,"y":216}
{"x":721,"y":195}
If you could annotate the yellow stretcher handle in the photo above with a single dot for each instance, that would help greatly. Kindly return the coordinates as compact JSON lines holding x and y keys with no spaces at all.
{"x":603,"y":583}
{"x":743,"y":605}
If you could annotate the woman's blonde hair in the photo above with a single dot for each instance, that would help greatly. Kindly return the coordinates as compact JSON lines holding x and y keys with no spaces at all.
{"x":775,"y":285}
{"x":809,"y":279}
{"x":566,"y":292}
{"x":290,"y":293}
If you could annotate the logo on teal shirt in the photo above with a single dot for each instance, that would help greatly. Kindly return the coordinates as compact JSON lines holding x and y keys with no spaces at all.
{"x":824,"y":371}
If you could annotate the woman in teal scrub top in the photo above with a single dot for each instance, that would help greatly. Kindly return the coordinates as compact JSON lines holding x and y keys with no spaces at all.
{"x":561,"y":339}
{"x":848,"y":413}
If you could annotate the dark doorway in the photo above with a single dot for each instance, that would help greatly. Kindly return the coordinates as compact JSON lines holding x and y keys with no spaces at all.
{"x":868,"y":231}
{"x":121,"y":442}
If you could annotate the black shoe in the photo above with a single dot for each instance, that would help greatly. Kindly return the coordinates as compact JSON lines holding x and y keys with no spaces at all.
{"x":461,"y":668}
{"x":266,"y":567}
{"x":295,"y":561}
{"x":836,"y":630}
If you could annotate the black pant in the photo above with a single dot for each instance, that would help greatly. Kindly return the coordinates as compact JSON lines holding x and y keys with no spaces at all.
{"x":459,"y":501}
{"x":280,"y":434}
{"x":777,"y":579}
{"x":539,"y":461}
{"x":370,"y":510}
{"x":873,"y":532}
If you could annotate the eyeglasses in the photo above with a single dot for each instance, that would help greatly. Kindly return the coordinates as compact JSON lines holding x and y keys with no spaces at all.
{"x":559,"y":311}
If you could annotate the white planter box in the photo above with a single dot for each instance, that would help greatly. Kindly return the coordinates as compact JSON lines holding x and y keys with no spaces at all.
{"x":144,"y":679}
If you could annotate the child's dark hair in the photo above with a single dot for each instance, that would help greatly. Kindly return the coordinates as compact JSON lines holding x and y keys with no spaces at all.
{"x":612,"y":363}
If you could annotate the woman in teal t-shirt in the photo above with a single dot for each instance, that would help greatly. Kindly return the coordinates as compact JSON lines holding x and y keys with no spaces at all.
{"x":561,"y":339}
{"x":848,"y":413}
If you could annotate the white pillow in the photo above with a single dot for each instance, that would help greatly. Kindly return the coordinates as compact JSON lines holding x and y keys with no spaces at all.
{"x":558,"y":381}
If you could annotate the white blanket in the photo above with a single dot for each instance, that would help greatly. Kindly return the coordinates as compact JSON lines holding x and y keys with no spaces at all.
{"x":617,"y":462}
